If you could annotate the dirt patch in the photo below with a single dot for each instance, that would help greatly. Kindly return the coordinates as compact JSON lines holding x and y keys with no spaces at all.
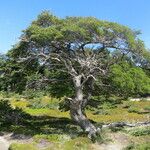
{"x":4,"y":144}
{"x":118,"y":142}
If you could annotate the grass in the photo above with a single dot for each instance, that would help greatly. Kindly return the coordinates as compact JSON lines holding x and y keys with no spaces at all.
{"x":59,"y":131}
{"x":130,"y":111}
{"x":115,"y":115}
{"x":80,"y":143}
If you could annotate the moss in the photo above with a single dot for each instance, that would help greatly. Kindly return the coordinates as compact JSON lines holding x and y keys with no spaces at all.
{"x":22,"y":103}
{"x":52,"y":138}
{"x":17,"y":146}
{"x":47,"y":112}
{"x":117,"y":116}
{"x":80,"y":143}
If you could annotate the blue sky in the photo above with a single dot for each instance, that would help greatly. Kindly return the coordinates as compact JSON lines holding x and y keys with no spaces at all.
{"x":16,"y":15}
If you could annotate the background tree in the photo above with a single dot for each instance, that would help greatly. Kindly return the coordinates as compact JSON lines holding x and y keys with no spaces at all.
{"x":82,"y":47}
{"x":128,"y":80}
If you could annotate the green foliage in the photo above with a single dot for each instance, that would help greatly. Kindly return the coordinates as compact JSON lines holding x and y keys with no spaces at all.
{"x":62,"y":84}
{"x":48,"y":49}
{"x":128,"y":80}
{"x":48,"y":30}
{"x":12,"y":78}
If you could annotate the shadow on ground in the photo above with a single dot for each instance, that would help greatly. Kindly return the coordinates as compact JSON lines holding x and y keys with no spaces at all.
{"x":34,"y":125}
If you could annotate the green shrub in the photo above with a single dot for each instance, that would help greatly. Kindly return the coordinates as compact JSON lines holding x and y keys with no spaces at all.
{"x":142,"y":146}
{"x":108,"y":105}
{"x":145,"y":146}
{"x":126,"y":104}
{"x":30,"y":94}
{"x":9,"y":95}
{"x":139,"y":131}
{"x":130,"y":147}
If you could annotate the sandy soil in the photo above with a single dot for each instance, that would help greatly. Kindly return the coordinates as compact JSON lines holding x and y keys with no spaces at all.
{"x":4,"y":144}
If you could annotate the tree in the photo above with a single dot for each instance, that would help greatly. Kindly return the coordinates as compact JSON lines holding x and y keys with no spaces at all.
{"x":129,"y":80}
{"x":12,"y":78}
{"x":83,"y":47}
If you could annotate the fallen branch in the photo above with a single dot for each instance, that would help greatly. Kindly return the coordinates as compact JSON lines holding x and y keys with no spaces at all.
{"x":123,"y":124}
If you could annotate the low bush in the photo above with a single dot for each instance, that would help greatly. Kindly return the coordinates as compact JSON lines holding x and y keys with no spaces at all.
{"x":133,"y":110}
{"x":44,"y":102}
{"x":147,"y":108}
{"x":139,"y":131}
{"x":130,"y":147}
{"x":30,"y":94}
{"x":143,"y":146}
{"x":126,"y":104}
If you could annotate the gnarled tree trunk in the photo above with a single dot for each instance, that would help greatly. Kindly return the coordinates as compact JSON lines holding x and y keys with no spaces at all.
{"x":77,"y":113}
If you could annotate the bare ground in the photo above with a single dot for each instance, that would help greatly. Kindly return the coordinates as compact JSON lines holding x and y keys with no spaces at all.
{"x":4,"y":144}
{"x":118,"y":142}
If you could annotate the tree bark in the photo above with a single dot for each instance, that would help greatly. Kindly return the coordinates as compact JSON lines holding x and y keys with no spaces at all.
{"x":77,"y":113}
